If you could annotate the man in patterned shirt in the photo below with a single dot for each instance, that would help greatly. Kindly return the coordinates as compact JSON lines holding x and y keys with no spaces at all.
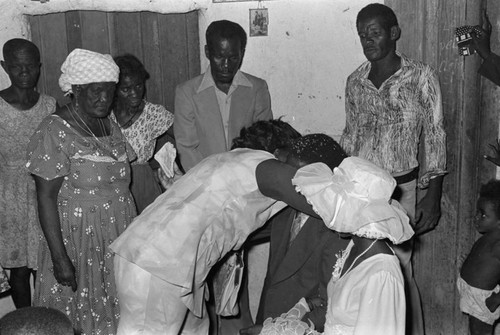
{"x":390,"y":101}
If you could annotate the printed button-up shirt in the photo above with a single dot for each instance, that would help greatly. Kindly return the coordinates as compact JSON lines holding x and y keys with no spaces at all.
{"x":385,"y":125}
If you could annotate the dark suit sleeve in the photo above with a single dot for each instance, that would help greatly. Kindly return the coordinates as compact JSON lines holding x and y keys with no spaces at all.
{"x":490,"y":68}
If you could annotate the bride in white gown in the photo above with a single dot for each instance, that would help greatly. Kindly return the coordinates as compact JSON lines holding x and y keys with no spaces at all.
{"x":366,"y":292}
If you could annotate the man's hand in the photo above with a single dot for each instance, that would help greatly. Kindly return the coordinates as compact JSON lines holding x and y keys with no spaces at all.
{"x":495,"y":157}
{"x":254,"y":330}
{"x":426,"y":215}
{"x":481,"y":40}
{"x":315,"y":302}
{"x":428,"y":209}
{"x":493,"y":301}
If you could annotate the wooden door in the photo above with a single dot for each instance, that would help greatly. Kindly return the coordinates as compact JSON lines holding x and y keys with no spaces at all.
{"x":167,"y":44}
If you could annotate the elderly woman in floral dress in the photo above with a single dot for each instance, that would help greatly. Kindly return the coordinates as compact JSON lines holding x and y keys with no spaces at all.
{"x":80,"y":162}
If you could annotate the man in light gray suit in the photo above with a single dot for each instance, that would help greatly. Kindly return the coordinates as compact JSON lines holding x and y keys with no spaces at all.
{"x":211,"y":108}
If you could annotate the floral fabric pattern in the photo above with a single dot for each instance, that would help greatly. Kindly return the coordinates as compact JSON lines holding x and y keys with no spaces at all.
{"x":384,"y":125}
{"x":141,"y":135}
{"x":95,"y":207}
{"x":19,"y":224}
{"x":4,"y":281}
{"x":153,"y":122}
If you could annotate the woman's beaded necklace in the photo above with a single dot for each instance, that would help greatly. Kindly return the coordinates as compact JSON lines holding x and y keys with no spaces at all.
{"x":85,"y":127}
{"x":103,"y":142}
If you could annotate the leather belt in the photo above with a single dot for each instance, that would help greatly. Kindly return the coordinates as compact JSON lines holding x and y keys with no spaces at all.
{"x":406,"y":178}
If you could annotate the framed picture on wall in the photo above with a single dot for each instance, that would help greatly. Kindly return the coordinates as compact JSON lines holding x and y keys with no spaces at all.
{"x":216,"y":1}
{"x":259,"y":21}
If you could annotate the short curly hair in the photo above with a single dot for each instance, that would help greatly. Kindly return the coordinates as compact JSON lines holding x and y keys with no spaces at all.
{"x":227,"y":30}
{"x":317,"y":148}
{"x":36,"y":320}
{"x":17,"y":44}
{"x":386,"y":14}
{"x":131,"y":66}
{"x":491,"y":193}
{"x":266,"y":135}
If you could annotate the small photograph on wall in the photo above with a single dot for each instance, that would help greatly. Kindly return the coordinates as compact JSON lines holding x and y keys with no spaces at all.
{"x":216,"y":1}
{"x":259,"y":21}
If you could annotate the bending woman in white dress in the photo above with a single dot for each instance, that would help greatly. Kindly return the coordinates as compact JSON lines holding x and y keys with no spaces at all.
{"x":366,"y":292}
{"x":164,"y":257}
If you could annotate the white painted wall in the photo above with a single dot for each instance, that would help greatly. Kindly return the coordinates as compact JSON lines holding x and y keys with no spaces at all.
{"x":311,"y":48}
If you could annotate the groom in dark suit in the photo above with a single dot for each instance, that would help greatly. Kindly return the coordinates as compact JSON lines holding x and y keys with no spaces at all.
{"x":299,"y":266}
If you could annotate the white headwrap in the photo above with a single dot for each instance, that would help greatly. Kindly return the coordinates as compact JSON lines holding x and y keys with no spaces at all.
{"x":85,"y":67}
{"x":355,"y":198}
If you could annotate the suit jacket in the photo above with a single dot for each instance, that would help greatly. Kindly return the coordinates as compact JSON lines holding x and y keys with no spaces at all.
{"x":301,"y":270}
{"x":198,"y":126}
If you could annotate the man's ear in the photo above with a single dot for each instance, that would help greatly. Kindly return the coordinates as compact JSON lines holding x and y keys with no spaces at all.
{"x":207,"y":52}
{"x":395,"y":33}
{"x":281,"y":155}
{"x":3,"y":65}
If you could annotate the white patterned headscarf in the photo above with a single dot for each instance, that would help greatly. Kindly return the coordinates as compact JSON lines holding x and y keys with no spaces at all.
{"x":355,"y":198}
{"x":85,"y":67}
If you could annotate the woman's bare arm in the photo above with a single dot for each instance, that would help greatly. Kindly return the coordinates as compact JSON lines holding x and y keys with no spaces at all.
{"x":274,"y":179}
{"x":47,"y":191}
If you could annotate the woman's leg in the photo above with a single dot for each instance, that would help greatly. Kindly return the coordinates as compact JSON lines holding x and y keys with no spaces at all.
{"x":20,"y":286}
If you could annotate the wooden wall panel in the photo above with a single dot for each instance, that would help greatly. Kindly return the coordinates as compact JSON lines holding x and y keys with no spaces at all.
{"x":173,"y":50}
{"x":490,"y":97}
{"x":168,"y":45}
{"x":193,"y":46}
{"x":94,"y":29}
{"x":73,"y":29}
{"x":439,"y":254}
{"x":152,"y":58}
{"x":127,"y":30}
{"x":53,"y":48}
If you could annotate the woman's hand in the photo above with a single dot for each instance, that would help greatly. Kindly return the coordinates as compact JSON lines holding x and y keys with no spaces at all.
{"x":64,"y":272}
{"x":167,"y":182}
{"x":493,"y":301}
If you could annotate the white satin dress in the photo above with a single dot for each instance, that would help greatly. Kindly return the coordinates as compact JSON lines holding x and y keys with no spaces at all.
{"x":166,"y":253}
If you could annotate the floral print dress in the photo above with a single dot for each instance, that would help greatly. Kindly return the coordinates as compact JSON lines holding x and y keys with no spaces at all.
{"x":4,"y":281}
{"x":95,"y":206}
{"x":153,"y":122}
{"x":19,"y":225}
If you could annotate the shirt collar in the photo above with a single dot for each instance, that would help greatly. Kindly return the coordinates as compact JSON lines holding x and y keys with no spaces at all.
{"x":240,"y":79}
{"x":367,"y":65}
